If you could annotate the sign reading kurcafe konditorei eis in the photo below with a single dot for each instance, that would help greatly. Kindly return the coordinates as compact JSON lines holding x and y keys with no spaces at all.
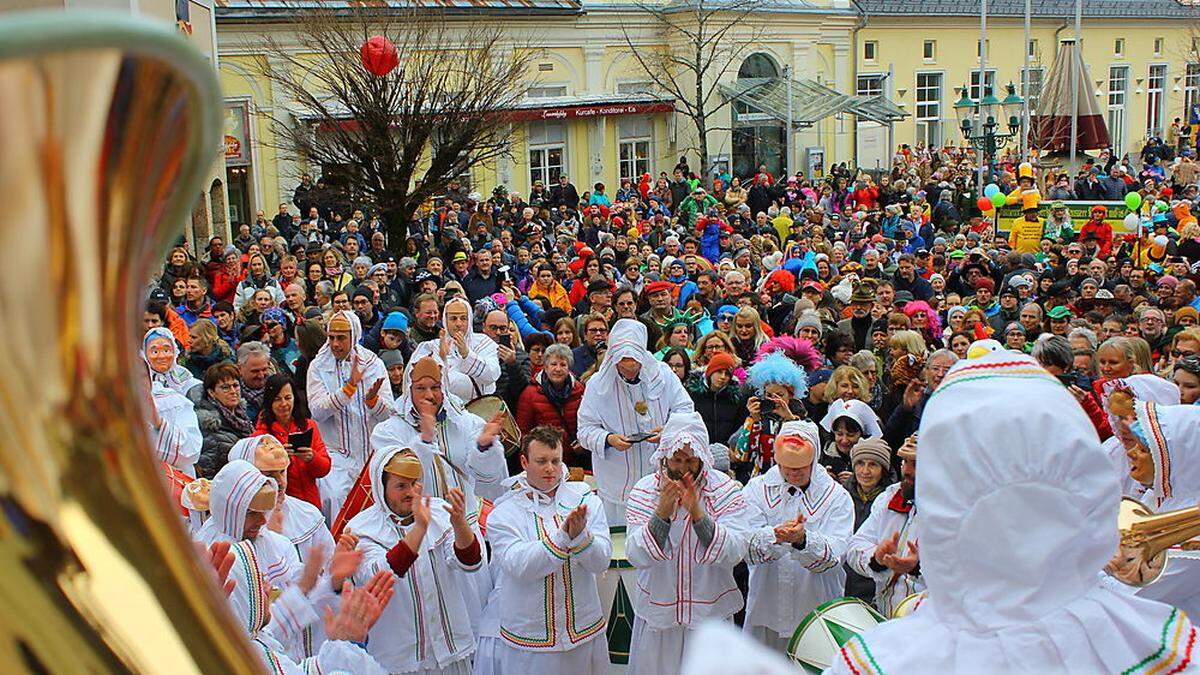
{"x":585,"y":111}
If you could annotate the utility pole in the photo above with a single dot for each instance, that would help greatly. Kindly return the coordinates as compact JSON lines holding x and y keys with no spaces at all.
{"x":1075,"y":80}
{"x":1026,"y":81}
{"x":788,"y":136}
{"x":982,"y":114}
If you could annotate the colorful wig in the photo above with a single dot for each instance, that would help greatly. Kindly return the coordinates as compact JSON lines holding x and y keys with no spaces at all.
{"x":800,"y":351}
{"x":778,"y":369}
{"x":933,"y":325}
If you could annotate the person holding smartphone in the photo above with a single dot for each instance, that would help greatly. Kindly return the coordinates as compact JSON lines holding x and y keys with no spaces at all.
{"x":286,"y":418}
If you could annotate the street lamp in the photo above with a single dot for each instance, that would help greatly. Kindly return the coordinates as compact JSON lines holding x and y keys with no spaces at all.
{"x":988,"y":140}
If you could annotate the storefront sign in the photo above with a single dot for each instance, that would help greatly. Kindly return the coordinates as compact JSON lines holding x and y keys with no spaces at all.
{"x":237,"y":138}
{"x":587,"y":111}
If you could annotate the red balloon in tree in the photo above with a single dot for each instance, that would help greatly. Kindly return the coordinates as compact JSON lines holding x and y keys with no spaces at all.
{"x":379,"y":56}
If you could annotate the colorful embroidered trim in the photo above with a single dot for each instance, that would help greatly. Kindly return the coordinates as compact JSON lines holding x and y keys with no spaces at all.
{"x":853,"y":654}
{"x":1167,"y":654}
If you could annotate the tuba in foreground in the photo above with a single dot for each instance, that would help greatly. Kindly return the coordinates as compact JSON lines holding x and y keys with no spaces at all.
{"x":109,"y":125}
{"x":1145,"y":538}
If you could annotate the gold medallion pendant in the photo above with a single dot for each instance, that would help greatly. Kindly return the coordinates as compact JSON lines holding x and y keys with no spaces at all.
{"x":641,"y":407}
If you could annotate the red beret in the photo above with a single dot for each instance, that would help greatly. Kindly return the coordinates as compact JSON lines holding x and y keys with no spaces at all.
{"x":657,"y":287}
{"x":985,"y":282}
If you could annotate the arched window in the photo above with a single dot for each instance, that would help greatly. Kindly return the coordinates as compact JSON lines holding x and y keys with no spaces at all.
{"x":758,"y":65}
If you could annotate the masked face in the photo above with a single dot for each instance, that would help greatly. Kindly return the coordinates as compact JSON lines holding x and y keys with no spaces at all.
{"x":1141,"y":465}
{"x":160,"y":353}
{"x":682,"y":462}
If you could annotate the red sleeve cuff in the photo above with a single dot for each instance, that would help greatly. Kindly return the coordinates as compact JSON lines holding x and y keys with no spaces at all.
{"x":400,"y":558}
{"x":471,"y":555}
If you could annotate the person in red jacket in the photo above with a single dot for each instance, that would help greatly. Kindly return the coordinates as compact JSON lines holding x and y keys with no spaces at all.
{"x":1098,"y":225}
{"x":281,"y":416}
{"x":223,"y":281}
{"x":553,"y":398}
{"x":866,"y":194}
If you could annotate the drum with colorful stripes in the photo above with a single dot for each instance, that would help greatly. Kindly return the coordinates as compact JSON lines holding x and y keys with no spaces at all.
{"x":614,"y":595}
{"x":822,"y":633}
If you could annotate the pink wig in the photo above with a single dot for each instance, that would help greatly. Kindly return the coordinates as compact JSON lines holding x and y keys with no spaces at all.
{"x":800,"y":351}
{"x":933,"y":325}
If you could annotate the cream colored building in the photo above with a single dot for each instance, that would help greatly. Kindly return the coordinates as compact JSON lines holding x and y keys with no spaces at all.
{"x":1142,"y":66}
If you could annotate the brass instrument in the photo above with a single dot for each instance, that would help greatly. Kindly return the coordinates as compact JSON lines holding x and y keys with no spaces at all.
{"x":109,"y":125}
{"x":1145,"y":538}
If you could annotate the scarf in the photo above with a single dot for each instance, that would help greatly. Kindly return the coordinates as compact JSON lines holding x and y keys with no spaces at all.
{"x":235,"y":419}
{"x":556,"y":394}
{"x":334,"y":272}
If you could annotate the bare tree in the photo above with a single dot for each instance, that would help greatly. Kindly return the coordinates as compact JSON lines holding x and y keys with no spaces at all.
{"x":706,"y":39}
{"x":399,"y":139}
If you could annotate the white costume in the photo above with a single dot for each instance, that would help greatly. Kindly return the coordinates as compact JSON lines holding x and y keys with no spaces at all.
{"x":1148,"y":388}
{"x":177,"y":377}
{"x":177,"y":441}
{"x":890,"y":513}
{"x":551,"y":619}
{"x":1014,"y":533}
{"x":426,"y":627}
{"x":612,"y":405}
{"x":1172,"y":435}
{"x":687,"y":578}
{"x":263,"y":566}
{"x":305,"y":528}
{"x":786,"y":582}
{"x":344,"y":419}
{"x":475,"y":374}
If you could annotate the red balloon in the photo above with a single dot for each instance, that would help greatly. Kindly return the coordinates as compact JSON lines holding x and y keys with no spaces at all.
{"x":985,"y":204}
{"x":379,"y":56}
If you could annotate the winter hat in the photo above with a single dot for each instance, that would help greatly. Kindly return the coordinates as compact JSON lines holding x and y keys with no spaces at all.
{"x":720,"y":361}
{"x":391,"y":357}
{"x":395,"y":321}
{"x":873,"y":448}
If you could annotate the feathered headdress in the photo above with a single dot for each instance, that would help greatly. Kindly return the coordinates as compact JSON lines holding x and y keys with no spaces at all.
{"x":798,"y":350}
{"x":779,"y":369}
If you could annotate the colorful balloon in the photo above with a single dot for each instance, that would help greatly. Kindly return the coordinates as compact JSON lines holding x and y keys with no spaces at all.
{"x":999,"y":199}
{"x":379,"y":56}
{"x":984,"y":204}
{"x":991,"y":190}
{"x":1131,"y":222}
{"x":1133,"y":200}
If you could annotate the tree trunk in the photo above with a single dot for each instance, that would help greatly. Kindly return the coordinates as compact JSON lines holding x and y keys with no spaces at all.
{"x":702,"y":130}
{"x":395,"y":221}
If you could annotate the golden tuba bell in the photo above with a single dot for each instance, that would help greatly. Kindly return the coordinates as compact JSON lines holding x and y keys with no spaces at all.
{"x":109,"y":126}
{"x":1145,"y":538}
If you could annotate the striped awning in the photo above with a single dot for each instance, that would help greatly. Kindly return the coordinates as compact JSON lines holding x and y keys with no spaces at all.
{"x":811,"y":101}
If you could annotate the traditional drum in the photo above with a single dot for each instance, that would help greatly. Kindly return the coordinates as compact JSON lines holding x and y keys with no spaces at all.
{"x":909,"y":605}
{"x":486,"y":407}
{"x":613,"y":585}
{"x":822,"y":633}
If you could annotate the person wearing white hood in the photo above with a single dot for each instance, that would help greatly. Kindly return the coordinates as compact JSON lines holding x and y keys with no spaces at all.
{"x":629,"y":398}
{"x":1143,"y":388}
{"x":551,"y":542}
{"x":297,"y":520}
{"x":347,"y":399}
{"x":472,"y":360}
{"x":688,"y":528}
{"x":1014,"y":533}
{"x":804,"y":519}
{"x":430,"y":546}
{"x":885,"y":547}
{"x":241,"y":500}
{"x":162,"y":355}
{"x":174,"y":429}
{"x":1166,"y":461}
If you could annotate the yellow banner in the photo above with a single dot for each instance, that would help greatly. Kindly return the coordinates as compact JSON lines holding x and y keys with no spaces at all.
{"x":1080,"y":211}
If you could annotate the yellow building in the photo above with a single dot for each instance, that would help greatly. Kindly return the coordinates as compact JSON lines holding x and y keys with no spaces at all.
{"x":590,"y":111}
{"x":1142,"y":65}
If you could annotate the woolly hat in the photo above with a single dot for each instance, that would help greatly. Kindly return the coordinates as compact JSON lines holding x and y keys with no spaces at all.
{"x":873,"y":448}
{"x":720,"y":361}
{"x":395,"y":321}
{"x":391,"y":357}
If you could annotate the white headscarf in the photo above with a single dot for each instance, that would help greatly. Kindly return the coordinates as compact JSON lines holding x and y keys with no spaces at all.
{"x":325,"y":362}
{"x":684,"y":429}
{"x":856,"y":410}
{"x":1014,"y":533}
{"x":245,"y":448}
{"x":627,"y":339}
{"x":177,"y":377}
{"x":1145,"y":387}
{"x":1172,"y":434}
{"x":233,"y":488}
{"x":450,"y":403}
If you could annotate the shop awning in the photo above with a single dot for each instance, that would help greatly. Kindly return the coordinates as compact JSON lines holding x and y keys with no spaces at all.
{"x":540,"y":108}
{"x":811,"y":101}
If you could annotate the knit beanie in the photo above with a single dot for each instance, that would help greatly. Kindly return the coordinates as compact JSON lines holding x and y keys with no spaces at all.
{"x":719,"y":361}
{"x":873,"y":448}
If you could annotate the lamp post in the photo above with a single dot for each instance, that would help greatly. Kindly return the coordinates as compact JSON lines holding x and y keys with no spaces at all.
{"x":986,"y":137}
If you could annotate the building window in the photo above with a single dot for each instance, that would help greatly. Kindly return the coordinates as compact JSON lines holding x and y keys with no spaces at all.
{"x":1155,"y":85}
{"x":546,"y":91}
{"x":979,"y":48}
{"x":869,"y":85}
{"x":929,"y":50}
{"x":1118,"y":85}
{"x":1158,"y":46}
{"x":633,"y":146}
{"x":547,"y":151}
{"x":989,"y":84}
{"x":1119,"y":47}
{"x":1191,"y":90}
{"x":1032,"y":47}
{"x":929,"y":108}
{"x":1031,"y":85}
{"x":870,"y":50}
